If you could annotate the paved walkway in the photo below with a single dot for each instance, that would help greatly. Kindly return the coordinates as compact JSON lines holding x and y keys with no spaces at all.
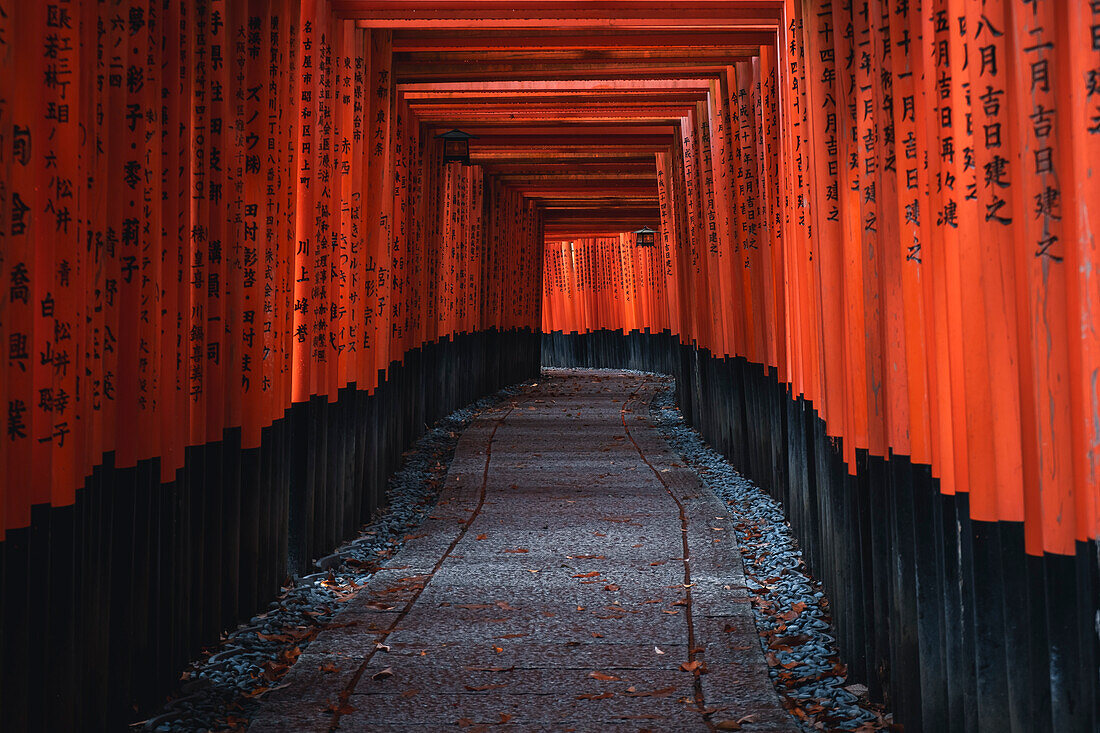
{"x":574,"y":576}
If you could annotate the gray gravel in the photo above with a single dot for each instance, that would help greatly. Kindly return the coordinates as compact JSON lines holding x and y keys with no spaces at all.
{"x":223,"y":688}
{"x":814,"y":684}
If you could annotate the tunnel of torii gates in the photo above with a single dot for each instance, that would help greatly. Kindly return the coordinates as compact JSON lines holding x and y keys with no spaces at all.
{"x":238,"y":280}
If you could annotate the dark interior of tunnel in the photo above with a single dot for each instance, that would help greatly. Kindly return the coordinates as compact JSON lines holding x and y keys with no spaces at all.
{"x":251,"y":250}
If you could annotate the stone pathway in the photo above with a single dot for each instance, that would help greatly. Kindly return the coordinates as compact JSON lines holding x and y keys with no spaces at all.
{"x":574,"y":576}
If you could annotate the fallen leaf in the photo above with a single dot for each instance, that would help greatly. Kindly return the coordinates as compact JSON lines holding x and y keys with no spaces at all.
{"x":483,"y":688}
{"x":592,"y":574}
{"x":511,"y":636}
{"x":338,"y":707}
{"x":691,"y":666}
{"x":503,"y":605}
{"x":597,"y":636}
{"x":734,"y":724}
{"x":329,"y":667}
{"x":518,"y":550}
{"x":482,"y":537}
{"x":504,"y":718}
{"x":387,"y":672}
{"x":663,"y":692}
{"x":792,"y":614}
{"x":498,"y":649}
{"x":593,"y":696}
{"x":658,"y":650}
{"x":604,"y":677}
{"x":611,"y":587}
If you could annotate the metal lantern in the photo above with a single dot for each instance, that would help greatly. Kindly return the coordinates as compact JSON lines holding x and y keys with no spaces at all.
{"x":644,"y":237}
{"x":456,"y":146}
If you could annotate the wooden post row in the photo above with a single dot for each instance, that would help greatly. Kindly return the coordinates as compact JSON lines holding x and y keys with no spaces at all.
{"x":895,"y":207}
{"x":211,"y":211}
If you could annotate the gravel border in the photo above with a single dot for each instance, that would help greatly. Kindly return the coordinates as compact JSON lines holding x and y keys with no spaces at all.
{"x":789,"y":605}
{"x":222,"y":690}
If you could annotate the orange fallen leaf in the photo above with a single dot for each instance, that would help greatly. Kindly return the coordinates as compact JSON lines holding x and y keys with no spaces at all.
{"x":338,"y":707}
{"x":592,"y":574}
{"x":498,"y":649}
{"x":604,"y":677}
{"x":518,"y":550}
{"x":504,"y":718}
{"x":597,"y":636}
{"x":329,"y":667}
{"x":482,"y":537}
{"x":592,"y":696}
{"x":791,"y":615}
{"x":663,"y":692}
{"x":691,"y":666}
{"x":611,"y":587}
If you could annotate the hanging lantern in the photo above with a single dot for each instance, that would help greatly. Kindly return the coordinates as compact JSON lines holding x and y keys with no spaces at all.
{"x":645,"y":237}
{"x":456,"y":146}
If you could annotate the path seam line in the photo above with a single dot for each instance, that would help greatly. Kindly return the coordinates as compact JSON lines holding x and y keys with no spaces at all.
{"x":349,"y":688}
{"x":700,"y":701}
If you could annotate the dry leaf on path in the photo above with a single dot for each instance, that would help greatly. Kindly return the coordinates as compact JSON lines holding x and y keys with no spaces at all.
{"x":385,"y":673}
{"x":604,"y":677}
